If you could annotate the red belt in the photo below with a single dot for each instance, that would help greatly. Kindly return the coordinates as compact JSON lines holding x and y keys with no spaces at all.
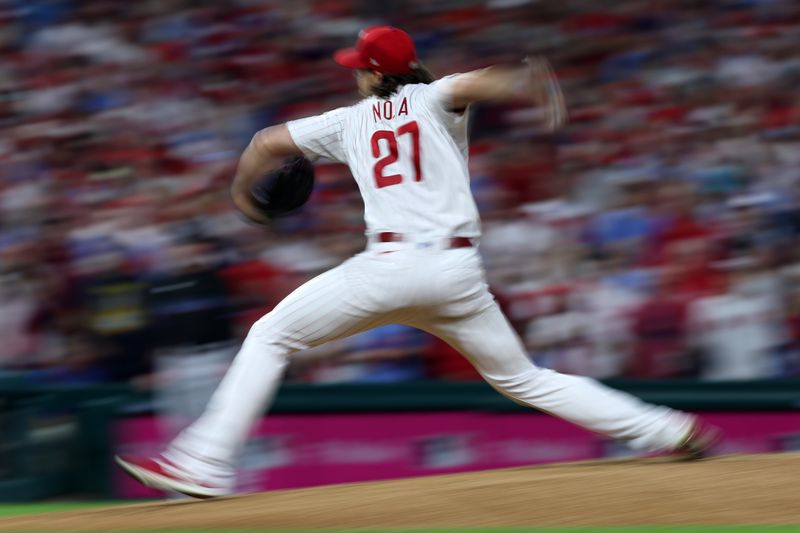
{"x":452,"y":242}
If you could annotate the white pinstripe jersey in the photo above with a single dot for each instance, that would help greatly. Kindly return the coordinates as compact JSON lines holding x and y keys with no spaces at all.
{"x":408,"y":154}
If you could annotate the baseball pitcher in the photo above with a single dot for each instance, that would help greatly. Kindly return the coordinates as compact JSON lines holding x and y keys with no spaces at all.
{"x":406,"y":145}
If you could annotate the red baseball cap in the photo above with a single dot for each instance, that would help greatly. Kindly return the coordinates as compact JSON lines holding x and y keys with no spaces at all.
{"x":383,"y":48}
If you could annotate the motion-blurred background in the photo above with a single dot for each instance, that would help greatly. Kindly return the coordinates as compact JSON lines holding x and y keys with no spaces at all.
{"x":657,"y":237}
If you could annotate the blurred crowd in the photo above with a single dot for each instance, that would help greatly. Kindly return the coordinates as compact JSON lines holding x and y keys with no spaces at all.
{"x":657,"y":236}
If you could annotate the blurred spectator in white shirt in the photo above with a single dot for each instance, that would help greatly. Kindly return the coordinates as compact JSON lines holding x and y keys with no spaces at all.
{"x":740,"y":330}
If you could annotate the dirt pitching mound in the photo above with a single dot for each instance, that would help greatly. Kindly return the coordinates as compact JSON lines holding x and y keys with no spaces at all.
{"x":736,"y":489}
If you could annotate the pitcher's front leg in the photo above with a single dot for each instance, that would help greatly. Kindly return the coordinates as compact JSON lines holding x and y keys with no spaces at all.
{"x":201,"y":461}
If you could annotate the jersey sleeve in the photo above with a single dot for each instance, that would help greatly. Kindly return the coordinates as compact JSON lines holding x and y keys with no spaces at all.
{"x":320,"y":135}
{"x":438,"y":96}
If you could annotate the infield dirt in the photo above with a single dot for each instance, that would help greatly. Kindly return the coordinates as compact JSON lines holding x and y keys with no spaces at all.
{"x":735,"y":489}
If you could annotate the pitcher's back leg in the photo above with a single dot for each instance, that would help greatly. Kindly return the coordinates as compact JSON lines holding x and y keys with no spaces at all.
{"x":489,"y":342}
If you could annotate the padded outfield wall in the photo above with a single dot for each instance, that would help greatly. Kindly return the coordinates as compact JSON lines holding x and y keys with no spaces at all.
{"x":60,"y":440}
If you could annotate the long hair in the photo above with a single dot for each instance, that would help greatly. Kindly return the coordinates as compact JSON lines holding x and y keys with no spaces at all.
{"x":391,"y":82}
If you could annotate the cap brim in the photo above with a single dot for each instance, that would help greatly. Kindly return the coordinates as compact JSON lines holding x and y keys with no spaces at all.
{"x":350,"y":58}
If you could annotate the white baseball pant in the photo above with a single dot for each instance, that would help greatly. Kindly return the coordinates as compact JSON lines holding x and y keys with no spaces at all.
{"x":441,"y":291}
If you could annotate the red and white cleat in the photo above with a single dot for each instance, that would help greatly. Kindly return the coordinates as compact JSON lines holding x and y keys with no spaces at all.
{"x":161,"y":474}
{"x":702,"y":441}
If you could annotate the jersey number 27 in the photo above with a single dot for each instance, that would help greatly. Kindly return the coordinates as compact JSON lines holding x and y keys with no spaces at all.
{"x":390,"y":137}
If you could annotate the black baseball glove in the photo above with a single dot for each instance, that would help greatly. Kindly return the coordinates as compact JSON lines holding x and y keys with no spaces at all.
{"x":285,"y":189}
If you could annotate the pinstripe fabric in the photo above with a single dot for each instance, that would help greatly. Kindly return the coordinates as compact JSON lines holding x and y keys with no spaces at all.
{"x":320,"y":136}
{"x":430,"y":196}
{"x":439,"y":290}
{"x":324,"y":309}
{"x":487,"y":340}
